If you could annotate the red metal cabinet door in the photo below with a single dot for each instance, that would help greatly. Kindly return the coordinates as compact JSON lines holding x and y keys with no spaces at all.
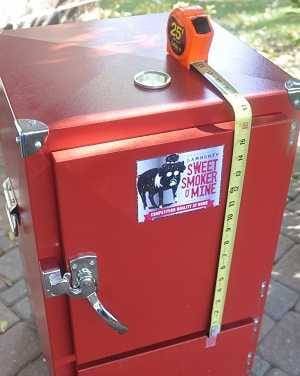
{"x":157,"y":277}
{"x":188,"y":358}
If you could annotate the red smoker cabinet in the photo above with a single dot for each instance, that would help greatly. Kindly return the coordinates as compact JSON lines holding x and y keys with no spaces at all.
{"x":118,"y":196}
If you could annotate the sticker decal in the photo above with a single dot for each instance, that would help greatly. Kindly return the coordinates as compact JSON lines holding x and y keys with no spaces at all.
{"x":179,"y":183}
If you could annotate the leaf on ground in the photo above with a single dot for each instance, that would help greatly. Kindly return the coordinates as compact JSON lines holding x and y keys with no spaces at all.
{"x":3,"y":326}
{"x":7,"y":281}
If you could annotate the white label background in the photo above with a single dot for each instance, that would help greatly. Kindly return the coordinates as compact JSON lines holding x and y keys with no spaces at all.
{"x":189,"y":184}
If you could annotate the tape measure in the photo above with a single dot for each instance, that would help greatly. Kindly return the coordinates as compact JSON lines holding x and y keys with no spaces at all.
{"x":195,"y":27}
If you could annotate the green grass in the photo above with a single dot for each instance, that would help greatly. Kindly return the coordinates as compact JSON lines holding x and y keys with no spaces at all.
{"x":271,"y":26}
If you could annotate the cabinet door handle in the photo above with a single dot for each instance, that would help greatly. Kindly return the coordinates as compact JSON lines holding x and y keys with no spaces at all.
{"x":81,"y":282}
{"x":109,"y":318}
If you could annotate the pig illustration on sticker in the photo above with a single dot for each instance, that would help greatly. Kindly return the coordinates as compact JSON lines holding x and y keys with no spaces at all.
{"x":157,"y":180}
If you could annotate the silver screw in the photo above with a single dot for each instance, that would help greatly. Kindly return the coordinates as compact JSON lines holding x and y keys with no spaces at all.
{"x":18,"y":139}
{"x":92,"y":262}
{"x":74,"y":266}
{"x":37,"y":144}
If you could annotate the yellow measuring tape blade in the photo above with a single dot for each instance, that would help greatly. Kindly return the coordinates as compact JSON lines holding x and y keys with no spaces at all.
{"x":242,"y":132}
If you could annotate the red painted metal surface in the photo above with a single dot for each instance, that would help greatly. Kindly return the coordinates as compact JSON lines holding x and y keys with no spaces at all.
{"x":143,"y":266}
{"x":78,"y":80}
{"x":189,"y":358}
{"x":84,"y":65}
{"x":159,"y":276}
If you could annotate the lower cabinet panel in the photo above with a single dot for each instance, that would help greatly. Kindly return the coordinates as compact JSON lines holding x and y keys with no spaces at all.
{"x":189,"y":358}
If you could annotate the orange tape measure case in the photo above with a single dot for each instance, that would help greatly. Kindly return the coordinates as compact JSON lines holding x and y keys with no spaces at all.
{"x":190,"y":34}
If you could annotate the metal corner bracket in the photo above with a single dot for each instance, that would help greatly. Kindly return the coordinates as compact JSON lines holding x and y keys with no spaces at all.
{"x":292,"y":86}
{"x":31,"y":136}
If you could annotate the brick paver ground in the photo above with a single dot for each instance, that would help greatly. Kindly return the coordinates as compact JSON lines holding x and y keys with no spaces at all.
{"x":278,"y":352}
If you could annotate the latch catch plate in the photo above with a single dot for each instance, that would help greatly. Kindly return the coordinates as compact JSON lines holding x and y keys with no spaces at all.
{"x":81,"y":282}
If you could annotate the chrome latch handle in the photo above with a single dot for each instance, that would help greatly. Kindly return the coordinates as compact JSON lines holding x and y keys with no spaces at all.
{"x":81,"y":282}
{"x":11,"y":206}
{"x":111,"y":320}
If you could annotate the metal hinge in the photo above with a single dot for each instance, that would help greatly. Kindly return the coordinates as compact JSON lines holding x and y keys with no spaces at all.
{"x":293,"y":88}
{"x":31,"y":134}
{"x":11,"y":206}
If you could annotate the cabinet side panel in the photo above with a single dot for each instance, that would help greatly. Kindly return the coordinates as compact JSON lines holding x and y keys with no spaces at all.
{"x":15,"y":168}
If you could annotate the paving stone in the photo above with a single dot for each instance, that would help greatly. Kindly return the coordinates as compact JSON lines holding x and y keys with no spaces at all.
{"x":5,"y":242}
{"x":280,"y":300}
{"x":266,"y":326}
{"x":276,"y":372}
{"x":36,"y":368}
{"x":4,"y":225}
{"x":283,"y":245}
{"x":281,"y":347}
{"x":294,"y":205}
{"x":18,"y":346}
{"x":294,"y":189}
{"x":291,"y":226}
{"x":2,"y":284}
{"x":260,"y":366}
{"x":23,"y":308}
{"x":14,"y":293}
{"x":7,"y":318}
{"x":287,"y":271}
{"x":11,"y":266}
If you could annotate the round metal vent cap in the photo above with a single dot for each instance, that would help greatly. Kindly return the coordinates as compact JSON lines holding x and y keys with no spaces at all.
{"x":152,"y":79}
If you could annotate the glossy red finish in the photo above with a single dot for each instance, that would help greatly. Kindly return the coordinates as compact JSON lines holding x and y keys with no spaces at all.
{"x":188,"y":358}
{"x":159,"y":277}
{"x":78,"y":80}
{"x":143,"y":266}
{"x":78,"y":69}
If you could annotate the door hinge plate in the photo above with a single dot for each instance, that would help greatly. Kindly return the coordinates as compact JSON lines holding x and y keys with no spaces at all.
{"x":31,"y":135}
{"x":293,"y":88}
{"x":11,"y":206}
